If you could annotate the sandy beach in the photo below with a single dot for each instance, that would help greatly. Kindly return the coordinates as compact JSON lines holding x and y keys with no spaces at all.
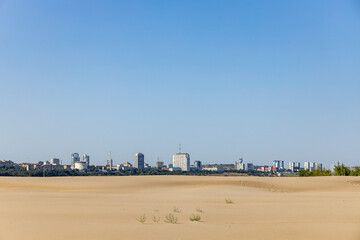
{"x":108,"y":207}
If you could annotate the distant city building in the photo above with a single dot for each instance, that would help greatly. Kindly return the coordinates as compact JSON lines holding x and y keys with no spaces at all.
{"x":86,"y":158}
{"x":318,"y":166}
{"x":28,"y":166}
{"x":294,"y":166}
{"x":181,"y":160}
{"x":174,"y":169}
{"x":6,"y":163}
{"x":249,"y":166}
{"x":128,"y":165}
{"x":279,"y":164}
{"x":170,"y":165}
{"x":54,"y":161}
{"x":159,"y":164}
{"x":75,"y":158}
{"x":243,"y":166}
{"x":81,"y":166}
{"x":198,"y":164}
{"x":139,"y":161}
{"x":309,"y":166}
{"x":109,"y":162}
{"x":215,"y":169}
{"x":119,"y":167}
{"x":266,"y":168}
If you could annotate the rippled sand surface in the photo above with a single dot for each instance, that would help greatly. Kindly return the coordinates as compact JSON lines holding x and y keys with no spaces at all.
{"x":107,"y":208}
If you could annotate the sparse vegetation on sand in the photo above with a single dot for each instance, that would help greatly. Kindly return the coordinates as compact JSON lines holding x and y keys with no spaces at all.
{"x":176,"y":210}
{"x":195,"y":218}
{"x":199,"y":210}
{"x":142,"y":219}
{"x":156,"y":219}
{"x":228,"y":201}
{"x":170,"y":218}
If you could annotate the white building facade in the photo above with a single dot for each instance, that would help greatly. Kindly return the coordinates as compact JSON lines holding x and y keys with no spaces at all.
{"x":294,"y":166}
{"x":312,"y":166}
{"x":86,"y":158}
{"x":181,"y":160}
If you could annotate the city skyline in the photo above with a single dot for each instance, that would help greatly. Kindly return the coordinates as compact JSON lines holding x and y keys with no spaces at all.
{"x":183,"y":162}
{"x":264,"y":80}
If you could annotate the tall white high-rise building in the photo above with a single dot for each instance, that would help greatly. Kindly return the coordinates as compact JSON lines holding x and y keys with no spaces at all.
{"x":310,"y":166}
{"x":182,"y":160}
{"x":294,"y":166}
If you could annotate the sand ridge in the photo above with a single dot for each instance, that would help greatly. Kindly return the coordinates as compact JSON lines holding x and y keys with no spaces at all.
{"x":104,"y":184}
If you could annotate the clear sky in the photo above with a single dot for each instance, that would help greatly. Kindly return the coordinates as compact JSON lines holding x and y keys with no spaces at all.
{"x":261,"y":79}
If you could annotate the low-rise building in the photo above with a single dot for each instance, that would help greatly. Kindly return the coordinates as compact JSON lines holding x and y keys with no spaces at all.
{"x":175,"y":169}
{"x":55,"y":161}
{"x":214,"y":169}
{"x":81,"y":166}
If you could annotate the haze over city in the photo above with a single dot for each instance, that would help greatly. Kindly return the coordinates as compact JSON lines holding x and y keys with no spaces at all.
{"x":264,"y":80}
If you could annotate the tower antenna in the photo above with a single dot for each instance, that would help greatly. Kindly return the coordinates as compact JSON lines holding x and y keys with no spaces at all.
{"x":180,"y":148}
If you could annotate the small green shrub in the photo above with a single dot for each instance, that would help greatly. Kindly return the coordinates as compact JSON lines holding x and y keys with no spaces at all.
{"x":228,"y":201}
{"x":142,"y":219}
{"x":170,"y":218}
{"x":195,"y":218}
{"x":156,"y":219}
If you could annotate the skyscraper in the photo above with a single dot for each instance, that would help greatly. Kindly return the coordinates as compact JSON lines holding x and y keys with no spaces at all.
{"x":182,"y":160}
{"x":75,"y":158}
{"x":86,"y":158}
{"x":279,"y":164}
{"x":309,"y":166}
{"x":139,"y":161}
{"x":294,"y":166}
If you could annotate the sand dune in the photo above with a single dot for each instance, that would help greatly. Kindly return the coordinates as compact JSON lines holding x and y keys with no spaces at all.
{"x":107,"y":207}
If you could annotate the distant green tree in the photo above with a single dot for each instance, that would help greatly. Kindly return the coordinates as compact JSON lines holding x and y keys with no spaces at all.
{"x":341,"y":170}
{"x":308,"y":173}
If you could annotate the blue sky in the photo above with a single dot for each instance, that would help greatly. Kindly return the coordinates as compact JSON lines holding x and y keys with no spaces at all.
{"x":261,"y":79}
